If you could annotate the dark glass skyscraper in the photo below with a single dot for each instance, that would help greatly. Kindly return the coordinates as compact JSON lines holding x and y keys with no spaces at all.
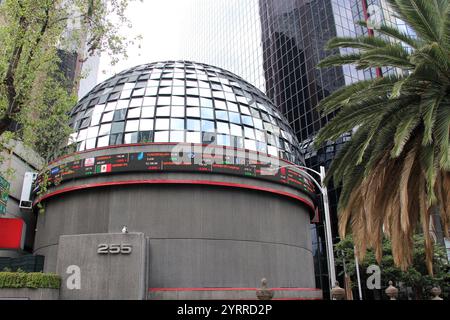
{"x":276,"y":45}
{"x":294,"y":35}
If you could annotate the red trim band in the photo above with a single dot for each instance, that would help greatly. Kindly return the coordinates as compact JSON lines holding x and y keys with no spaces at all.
{"x":296,"y":299}
{"x":230,"y":289}
{"x":309,"y":204}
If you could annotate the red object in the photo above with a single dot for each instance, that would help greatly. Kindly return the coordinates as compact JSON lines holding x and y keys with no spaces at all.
{"x":229,"y":289}
{"x":106,"y":168}
{"x":371,"y":33}
{"x":11,"y":233}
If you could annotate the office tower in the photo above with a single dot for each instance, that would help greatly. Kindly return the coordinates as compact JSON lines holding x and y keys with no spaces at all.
{"x":226,"y":33}
{"x":288,"y":44}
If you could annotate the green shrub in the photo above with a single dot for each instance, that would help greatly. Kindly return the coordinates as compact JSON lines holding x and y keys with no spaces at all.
{"x":29,"y":280}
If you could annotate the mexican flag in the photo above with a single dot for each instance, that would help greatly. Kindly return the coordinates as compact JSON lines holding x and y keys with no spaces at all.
{"x":103,"y":168}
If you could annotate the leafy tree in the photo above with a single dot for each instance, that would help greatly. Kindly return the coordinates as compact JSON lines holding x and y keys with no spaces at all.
{"x":415,"y":276}
{"x":34,"y":94}
{"x":396,"y":169}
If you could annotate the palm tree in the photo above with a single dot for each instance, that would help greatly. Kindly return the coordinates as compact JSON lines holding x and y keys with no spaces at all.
{"x":396,"y":169}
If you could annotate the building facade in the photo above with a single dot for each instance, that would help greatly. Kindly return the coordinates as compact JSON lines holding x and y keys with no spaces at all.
{"x":187,"y":172}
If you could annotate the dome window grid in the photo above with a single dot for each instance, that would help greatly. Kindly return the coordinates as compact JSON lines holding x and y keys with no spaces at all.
{"x":169,"y":98}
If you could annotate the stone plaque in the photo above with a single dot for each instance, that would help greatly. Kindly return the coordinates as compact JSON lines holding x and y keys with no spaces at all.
{"x":102,"y":266}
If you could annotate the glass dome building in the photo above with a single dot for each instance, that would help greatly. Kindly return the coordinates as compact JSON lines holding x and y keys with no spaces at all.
{"x":181,"y":101}
{"x":184,"y":186}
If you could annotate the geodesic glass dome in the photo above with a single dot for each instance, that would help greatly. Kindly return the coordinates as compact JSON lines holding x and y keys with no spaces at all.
{"x":181,"y":101}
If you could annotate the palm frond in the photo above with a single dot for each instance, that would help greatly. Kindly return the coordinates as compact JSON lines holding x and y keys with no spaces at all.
{"x":339,"y":60}
{"x":396,"y":168}
{"x":422,"y":15}
{"x":398,"y":35}
{"x":403,"y":133}
{"x":356,"y":43}
{"x":390,"y":56}
{"x":429,"y":107}
{"x":442,"y":134}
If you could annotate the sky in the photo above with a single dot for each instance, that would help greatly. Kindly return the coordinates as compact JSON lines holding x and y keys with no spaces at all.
{"x":162,"y":24}
{"x":168,"y":26}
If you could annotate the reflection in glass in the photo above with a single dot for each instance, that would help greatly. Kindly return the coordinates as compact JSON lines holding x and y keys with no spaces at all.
{"x":107,"y":117}
{"x":177,"y":136}
{"x":234,"y":117}
{"x":134,"y":113}
{"x":223,"y":140}
{"x":148,"y":112}
{"x":222,"y":127}
{"x":136,"y":102}
{"x":119,"y":114}
{"x":90,"y":143}
{"x":207,"y":113}
{"x":193,"y":137}
{"x":104,"y":129}
{"x":177,"y":124}
{"x":163,"y":101}
{"x":193,"y":124}
{"x":194,"y":101}
{"x":162,"y":124}
{"x":132,"y":125}
{"x":92,"y":132}
{"x":146,"y":124}
{"x":117,"y":127}
{"x":207,"y":126}
{"x":161,"y":136}
{"x":177,"y":101}
{"x":149,"y":101}
{"x":177,"y":112}
{"x":102,"y":141}
{"x":193,"y":112}
{"x":163,"y":111}
{"x":131,"y":137}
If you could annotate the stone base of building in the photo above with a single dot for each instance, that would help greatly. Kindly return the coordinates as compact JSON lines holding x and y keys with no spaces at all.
{"x":231,"y":294}
{"x":29,"y":294}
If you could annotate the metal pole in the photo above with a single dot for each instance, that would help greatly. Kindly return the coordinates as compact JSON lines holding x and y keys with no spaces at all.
{"x":357,"y":274}
{"x":329,"y":237}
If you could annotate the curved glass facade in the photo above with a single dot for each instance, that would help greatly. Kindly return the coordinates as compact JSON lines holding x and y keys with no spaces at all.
{"x":181,"y":101}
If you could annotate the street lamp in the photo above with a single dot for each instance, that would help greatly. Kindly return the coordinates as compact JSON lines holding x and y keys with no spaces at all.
{"x":328,"y":236}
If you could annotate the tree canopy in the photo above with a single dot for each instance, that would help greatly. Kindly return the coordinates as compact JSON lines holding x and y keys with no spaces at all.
{"x":415,"y":276}
{"x":35,"y":95}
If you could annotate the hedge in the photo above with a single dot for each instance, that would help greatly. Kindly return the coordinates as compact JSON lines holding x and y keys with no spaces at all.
{"x":29,"y":280}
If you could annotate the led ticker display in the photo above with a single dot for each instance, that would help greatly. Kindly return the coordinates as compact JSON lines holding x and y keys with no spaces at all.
{"x":165,"y":161}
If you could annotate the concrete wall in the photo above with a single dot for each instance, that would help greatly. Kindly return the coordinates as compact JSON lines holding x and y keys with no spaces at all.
{"x":198,"y":235}
{"x":29,"y":294}
{"x":102,"y":276}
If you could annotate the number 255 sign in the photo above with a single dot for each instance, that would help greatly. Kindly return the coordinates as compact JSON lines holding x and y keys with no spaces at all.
{"x":122,"y":248}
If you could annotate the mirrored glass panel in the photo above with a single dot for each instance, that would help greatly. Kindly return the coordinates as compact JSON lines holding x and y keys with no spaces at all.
{"x":180,"y":101}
